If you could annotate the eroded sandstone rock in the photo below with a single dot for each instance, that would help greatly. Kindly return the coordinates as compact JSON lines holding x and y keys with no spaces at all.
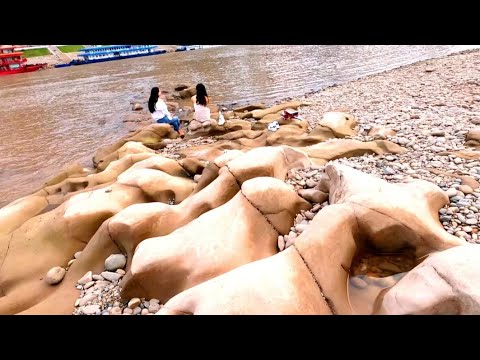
{"x":313,"y":272}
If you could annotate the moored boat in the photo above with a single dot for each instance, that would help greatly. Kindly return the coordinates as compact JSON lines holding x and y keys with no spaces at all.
{"x":114,"y":52}
{"x":12,"y":62}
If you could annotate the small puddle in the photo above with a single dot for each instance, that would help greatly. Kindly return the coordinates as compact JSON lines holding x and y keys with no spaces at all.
{"x":372,"y":273}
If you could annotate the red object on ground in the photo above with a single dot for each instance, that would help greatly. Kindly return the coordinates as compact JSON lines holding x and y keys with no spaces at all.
{"x":289,"y":114}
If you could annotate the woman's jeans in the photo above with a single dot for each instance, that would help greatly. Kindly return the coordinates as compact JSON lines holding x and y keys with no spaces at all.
{"x":175,"y":122}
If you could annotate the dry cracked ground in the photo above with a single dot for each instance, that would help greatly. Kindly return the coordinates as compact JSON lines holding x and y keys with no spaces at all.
{"x":369,"y":204}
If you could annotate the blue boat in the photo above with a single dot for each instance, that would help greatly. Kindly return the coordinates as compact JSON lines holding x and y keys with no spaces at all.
{"x":62,"y":65}
{"x":114,"y":52}
{"x":187,"y":47}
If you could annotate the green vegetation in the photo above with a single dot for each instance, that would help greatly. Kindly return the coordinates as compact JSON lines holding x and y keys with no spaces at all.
{"x":70,"y":48}
{"x":36,"y":52}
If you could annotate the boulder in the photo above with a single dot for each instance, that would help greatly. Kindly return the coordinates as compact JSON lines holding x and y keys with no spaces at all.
{"x":341,"y":124}
{"x":446,"y":283}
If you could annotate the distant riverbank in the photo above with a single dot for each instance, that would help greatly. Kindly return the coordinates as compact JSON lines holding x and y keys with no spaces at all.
{"x":52,"y":60}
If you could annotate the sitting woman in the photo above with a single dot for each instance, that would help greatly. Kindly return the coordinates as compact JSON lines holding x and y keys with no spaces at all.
{"x":159,"y":111}
{"x":200,"y":102}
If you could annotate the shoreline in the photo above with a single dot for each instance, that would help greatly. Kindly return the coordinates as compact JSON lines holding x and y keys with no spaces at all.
{"x":415,"y":122}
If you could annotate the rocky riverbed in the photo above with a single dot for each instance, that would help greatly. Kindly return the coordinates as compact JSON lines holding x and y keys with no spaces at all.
{"x":429,"y":108}
{"x":171,"y":225}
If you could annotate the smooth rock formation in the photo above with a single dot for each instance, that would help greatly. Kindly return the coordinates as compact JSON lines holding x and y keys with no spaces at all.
{"x":446,"y":283}
{"x":310,"y":277}
{"x":321,"y":153}
{"x":275,"y":162}
{"x":341,"y":124}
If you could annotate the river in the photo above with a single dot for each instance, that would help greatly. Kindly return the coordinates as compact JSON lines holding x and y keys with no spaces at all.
{"x":55,"y":117}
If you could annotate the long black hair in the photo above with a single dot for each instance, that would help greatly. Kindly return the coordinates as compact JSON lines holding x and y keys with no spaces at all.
{"x":153,"y":99}
{"x":201,"y":95}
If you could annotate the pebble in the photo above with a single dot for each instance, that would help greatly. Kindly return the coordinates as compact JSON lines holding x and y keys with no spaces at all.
{"x":153,"y":308}
{"x":137,"y":310}
{"x":451,"y":192}
{"x":133,"y":303}
{"x":311,"y":183}
{"x":86,"y":299}
{"x":127,"y":311}
{"x":309,"y":215}
{"x":85,"y":278}
{"x":102,"y":283}
{"x":388,"y":171}
{"x":115,"y":261}
{"x":55,"y":275}
{"x":111,"y":276}
{"x":90,"y":309}
{"x":116,"y":310}
{"x":281,"y":243}
{"x":465,"y":189}
{"x":437,"y":133}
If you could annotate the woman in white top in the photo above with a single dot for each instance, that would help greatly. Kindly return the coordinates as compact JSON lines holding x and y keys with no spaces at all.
{"x":159,"y":111}
{"x":200,"y":102}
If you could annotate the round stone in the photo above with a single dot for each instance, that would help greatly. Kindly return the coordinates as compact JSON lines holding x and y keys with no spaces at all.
{"x":472,"y":221}
{"x":133,"y":303}
{"x":115,"y":261}
{"x":116,"y":310}
{"x":127,"y":311}
{"x":465,"y":189}
{"x":55,"y":275}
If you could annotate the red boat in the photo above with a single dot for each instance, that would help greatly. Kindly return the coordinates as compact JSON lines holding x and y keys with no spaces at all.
{"x":12,"y":62}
